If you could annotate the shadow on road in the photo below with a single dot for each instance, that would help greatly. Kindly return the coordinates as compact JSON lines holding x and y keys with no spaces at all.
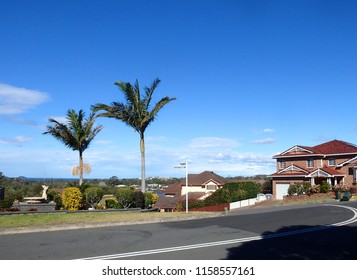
{"x":338,"y":243}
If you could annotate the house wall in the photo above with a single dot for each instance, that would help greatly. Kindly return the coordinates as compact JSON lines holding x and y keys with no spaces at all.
{"x":348,"y":180}
{"x":318,"y":162}
{"x":209,"y":187}
{"x":192,"y":189}
{"x":301,"y":162}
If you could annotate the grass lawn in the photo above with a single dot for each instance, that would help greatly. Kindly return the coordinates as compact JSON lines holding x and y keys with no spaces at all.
{"x":88,"y":218}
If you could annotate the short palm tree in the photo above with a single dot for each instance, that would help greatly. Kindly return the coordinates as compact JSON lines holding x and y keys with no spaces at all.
{"x":136,"y":112}
{"x":76,"y":134}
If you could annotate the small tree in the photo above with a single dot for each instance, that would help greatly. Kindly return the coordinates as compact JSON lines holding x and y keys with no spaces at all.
{"x":93,"y":195}
{"x":125,"y":197}
{"x":139,"y":200}
{"x":71,"y":198}
{"x":150,"y":199}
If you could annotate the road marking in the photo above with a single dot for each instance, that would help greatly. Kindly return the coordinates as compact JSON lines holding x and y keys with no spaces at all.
{"x":231,"y":241}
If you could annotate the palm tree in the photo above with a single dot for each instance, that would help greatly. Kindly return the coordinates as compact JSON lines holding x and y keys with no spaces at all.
{"x":76,"y":134}
{"x":135,"y":112}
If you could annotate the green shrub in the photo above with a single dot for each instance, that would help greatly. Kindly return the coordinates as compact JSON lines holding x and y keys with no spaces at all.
{"x":267,"y":186}
{"x":5,"y":204}
{"x":325,"y":187}
{"x":293,"y":189}
{"x":55,"y":196}
{"x":218,"y":197}
{"x":113,"y":204}
{"x":242,"y":190}
{"x":71,"y":198}
{"x":194,"y":204}
{"x":231,"y":192}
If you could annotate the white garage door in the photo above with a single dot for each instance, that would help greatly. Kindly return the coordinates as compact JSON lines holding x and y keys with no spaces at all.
{"x":281,"y":190}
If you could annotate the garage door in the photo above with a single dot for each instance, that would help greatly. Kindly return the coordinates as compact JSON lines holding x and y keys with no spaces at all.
{"x":281,"y":190}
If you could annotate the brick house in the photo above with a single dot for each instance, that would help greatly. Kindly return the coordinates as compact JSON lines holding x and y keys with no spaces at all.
{"x":334,"y":162}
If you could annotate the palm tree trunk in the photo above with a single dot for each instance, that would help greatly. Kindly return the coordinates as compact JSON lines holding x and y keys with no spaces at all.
{"x":80,"y":168}
{"x":142,"y":152}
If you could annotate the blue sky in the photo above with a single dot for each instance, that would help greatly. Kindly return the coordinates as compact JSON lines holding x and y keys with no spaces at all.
{"x":251,"y":78}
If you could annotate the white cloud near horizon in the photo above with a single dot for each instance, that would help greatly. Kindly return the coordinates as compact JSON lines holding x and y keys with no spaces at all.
{"x":110,"y":158}
{"x":210,"y":153}
{"x":15,"y":100}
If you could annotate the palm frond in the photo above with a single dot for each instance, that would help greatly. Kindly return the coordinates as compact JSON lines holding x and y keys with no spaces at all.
{"x":149,"y":92}
{"x":153,"y":113}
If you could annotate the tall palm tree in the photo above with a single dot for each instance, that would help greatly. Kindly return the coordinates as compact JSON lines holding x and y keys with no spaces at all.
{"x":136,"y":112}
{"x":76,"y":134}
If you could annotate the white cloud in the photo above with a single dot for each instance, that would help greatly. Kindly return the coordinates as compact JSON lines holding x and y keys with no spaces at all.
{"x":268,"y":130}
{"x":111,"y":158}
{"x":213,"y":143}
{"x":103,"y":142}
{"x":209,"y":153}
{"x":16,"y":140}
{"x":16,"y":100}
{"x":264,"y":141}
{"x":21,"y":121}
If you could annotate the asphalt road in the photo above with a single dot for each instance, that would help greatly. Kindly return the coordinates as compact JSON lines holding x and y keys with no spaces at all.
{"x":316,"y":231}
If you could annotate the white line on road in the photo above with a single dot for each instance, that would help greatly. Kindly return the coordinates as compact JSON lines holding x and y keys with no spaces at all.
{"x":231,"y":241}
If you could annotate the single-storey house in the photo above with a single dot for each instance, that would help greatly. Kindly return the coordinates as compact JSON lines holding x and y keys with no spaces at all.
{"x":334,"y":162}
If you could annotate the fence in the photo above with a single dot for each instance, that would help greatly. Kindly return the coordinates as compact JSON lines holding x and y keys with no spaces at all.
{"x":242,"y":203}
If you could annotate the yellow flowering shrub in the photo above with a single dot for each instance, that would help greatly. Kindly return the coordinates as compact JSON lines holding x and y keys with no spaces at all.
{"x":71,"y":198}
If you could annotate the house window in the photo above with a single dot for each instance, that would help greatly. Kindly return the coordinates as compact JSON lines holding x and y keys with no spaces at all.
{"x":211,"y":187}
{"x":352,"y":171}
{"x":310,"y":163}
{"x":331,"y":162}
{"x":282,"y":164}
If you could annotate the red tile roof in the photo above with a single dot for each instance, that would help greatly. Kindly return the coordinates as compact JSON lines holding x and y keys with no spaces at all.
{"x":335,"y":147}
{"x":331,"y":171}
{"x":173,"y":189}
{"x":203,"y":178}
{"x":329,"y":148}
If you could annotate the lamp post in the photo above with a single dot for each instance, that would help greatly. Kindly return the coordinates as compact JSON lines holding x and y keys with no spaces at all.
{"x":185,"y":165}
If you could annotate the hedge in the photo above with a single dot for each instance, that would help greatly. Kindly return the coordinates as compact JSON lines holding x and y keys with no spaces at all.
{"x":230,"y":192}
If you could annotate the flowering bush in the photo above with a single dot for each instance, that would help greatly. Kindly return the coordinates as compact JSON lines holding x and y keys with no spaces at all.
{"x":314,"y":189}
{"x":341,"y":188}
{"x":300,"y":188}
{"x":71,"y":198}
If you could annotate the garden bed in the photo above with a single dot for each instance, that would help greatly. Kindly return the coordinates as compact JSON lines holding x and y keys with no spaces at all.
{"x":309,"y":198}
